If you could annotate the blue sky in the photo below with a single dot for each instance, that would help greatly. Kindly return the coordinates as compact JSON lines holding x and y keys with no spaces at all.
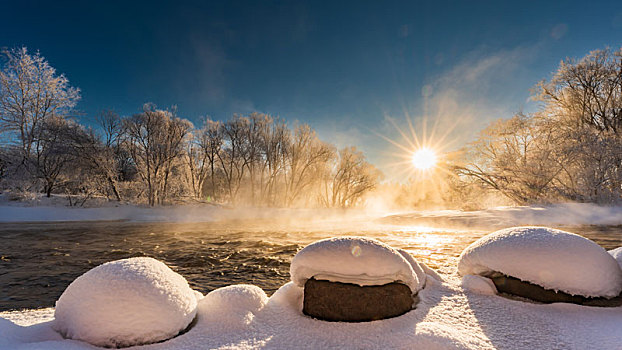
{"x":343,"y":67}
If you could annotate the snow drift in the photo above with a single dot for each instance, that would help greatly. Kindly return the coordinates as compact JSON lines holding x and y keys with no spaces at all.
{"x":550,"y":258}
{"x":355,"y":260}
{"x":126,"y":302}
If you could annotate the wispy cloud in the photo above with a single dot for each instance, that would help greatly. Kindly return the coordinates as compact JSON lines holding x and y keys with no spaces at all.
{"x":451,"y":109}
{"x":482,"y":87}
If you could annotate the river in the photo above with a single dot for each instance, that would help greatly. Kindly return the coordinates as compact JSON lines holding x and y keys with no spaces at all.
{"x":39,"y":260}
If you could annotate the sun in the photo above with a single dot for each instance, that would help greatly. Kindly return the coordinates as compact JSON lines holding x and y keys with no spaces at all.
{"x":424,"y":158}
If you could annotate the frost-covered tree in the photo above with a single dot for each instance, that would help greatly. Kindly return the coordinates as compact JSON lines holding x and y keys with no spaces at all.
{"x":156,"y":140}
{"x":203,"y":150}
{"x":275,"y":148}
{"x":586,"y":91}
{"x":582,"y":104}
{"x":96,"y":156}
{"x":515,"y":157}
{"x":571,"y":149}
{"x":352,"y":177}
{"x":30,"y":93}
{"x":233,"y":158}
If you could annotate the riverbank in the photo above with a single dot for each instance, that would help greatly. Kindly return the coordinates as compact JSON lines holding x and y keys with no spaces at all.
{"x":43,"y":209}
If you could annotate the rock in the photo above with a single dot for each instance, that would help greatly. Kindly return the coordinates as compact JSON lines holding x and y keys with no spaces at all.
{"x":550,"y":258}
{"x":346,"y":302}
{"x":357,"y":260}
{"x":515,"y":287}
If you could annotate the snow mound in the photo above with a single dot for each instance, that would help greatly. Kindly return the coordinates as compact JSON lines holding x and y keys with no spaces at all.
{"x":617,"y":254}
{"x":355,"y":260}
{"x":234,"y":306}
{"x":478,"y":284}
{"x":126,"y":302}
{"x":550,"y":258}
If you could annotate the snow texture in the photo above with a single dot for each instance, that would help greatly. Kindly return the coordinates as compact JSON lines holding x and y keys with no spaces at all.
{"x":416,"y":266}
{"x":447,"y":317}
{"x":617,"y":254}
{"x":232,"y":307}
{"x":550,"y":258}
{"x":126,"y":302}
{"x":356,"y":260}
{"x":479,"y":284}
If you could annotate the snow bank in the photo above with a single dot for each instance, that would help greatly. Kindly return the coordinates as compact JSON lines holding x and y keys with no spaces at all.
{"x":56,"y":209}
{"x":126,"y":302}
{"x":356,"y":260}
{"x":550,"y":258}
{"x":563,"y":214}
{"x":447,"y":317}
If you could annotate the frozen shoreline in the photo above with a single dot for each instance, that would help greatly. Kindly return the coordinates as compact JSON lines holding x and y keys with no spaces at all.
{"x":564,"y":214}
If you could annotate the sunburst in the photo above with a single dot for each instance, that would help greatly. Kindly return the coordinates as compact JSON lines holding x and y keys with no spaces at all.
{"x":424,"y":158}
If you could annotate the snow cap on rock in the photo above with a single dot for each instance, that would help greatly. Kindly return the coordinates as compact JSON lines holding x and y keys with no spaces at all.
{"x":550,"y":258}
{"x":126,"y":302}
{"x":355,"y":260}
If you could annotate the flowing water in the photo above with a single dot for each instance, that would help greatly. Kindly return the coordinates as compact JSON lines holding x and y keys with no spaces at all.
{"x":39,"y":260}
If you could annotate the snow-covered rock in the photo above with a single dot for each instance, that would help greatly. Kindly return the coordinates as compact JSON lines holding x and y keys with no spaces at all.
{"x":550,"y":258}
{"x":355,"y":260}
{"x":617,"y":254}
{"x":126,"y":302}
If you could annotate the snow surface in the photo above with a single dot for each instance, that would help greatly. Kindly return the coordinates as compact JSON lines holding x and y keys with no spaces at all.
{"x":356,"y":260}
{"x":55,"y":209}
{"x":447,"y":317}
{"x":550,"y":258}
{"x":562,"y":214}
{"x":232,"y":307}
{"x":617,"y":254}
{"x":416,"y":266}
{"x":479,"y":284}
{"x":126,"y":302}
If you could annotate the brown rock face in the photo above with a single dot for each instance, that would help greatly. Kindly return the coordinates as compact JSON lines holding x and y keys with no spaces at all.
{"x":335,"y":301}
{"x":514,"y":286}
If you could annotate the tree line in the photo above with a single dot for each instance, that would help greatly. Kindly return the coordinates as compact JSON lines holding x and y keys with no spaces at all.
{"x":570,"y":149}
{"x":156,"y":157}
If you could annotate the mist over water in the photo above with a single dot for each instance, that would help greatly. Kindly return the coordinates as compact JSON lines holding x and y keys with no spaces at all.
{"x":209,"y":255}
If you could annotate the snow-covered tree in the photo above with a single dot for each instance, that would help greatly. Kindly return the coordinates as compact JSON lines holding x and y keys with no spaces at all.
{"x":156,"y":139}
{"x":30,"y":93}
